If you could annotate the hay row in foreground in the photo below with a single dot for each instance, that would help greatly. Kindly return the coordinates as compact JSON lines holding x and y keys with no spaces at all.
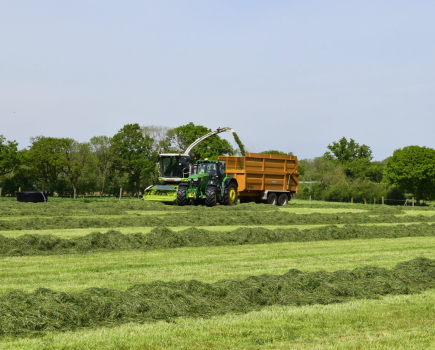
{"x":48,"y":310}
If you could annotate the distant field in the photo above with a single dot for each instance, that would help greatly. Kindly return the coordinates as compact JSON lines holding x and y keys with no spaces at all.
{"x":389,"y":321}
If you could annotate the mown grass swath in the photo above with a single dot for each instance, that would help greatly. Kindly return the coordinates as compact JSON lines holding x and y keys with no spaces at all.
{"x":208,"y":218}
{"x":162,"y":238}
{"x":80,"y":208}
{"x":48,"y":310}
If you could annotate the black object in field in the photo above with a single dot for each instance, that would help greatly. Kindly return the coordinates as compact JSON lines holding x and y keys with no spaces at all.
{"x":32,"y":196}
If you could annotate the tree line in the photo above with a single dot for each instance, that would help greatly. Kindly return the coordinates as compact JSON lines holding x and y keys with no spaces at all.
{"x":128,"y":160}
{"x":103,"y":165}
{"x":347,"y":170}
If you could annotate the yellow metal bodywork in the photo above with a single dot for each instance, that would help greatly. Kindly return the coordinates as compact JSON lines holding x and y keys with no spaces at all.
{"x":161,"y":193}
{"x":258,"y":172}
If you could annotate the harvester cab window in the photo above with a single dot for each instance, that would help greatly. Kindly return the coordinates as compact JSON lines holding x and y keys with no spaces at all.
{"x":174,"y":166}
{"x":168,"y":166}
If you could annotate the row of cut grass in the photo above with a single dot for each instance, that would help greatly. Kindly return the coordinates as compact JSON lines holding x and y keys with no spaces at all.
{"x":49,"y":310}
{"x":78,"y":232}
{"x":164,"y":238}
{"x":287,"y":209}
{"x":210,"y":218}
{"x":393,"y":322}
{"x":284,"y":209}
{"x":130,"y":213}
{"x":79,"y":208}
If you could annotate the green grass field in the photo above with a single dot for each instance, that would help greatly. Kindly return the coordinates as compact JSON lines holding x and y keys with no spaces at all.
{"x":398,"y":318}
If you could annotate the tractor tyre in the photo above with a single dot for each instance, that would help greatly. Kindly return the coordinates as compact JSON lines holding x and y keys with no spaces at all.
{"x":230,"y":194}
{"x":210,"y":196}
{"x":272,"y":198}
{"x":282,"y":199}
{"x":182,"y":195}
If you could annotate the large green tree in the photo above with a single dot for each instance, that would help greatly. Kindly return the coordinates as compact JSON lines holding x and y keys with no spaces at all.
{"x":102,"y":160}
{"x":77,"y":158}
{"x":46,"y":160}
{"x":356,"y":159}
{"x":412,"y":169}
{"x":9,"y":159}
{"x":212,"y":147}
{"x":347,"y":151}
{"x":133,"y":154}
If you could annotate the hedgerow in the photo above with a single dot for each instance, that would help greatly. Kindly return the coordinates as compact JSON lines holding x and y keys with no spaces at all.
{"x":47,"y":310}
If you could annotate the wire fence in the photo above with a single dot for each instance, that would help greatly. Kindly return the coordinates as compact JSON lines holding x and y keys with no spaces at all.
{"x":82,"y":195}
{"x":375,"y":201}
{"x":127,"y":194}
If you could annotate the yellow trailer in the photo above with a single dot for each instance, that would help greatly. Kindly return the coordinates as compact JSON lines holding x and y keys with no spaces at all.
{"x":264,"y":177}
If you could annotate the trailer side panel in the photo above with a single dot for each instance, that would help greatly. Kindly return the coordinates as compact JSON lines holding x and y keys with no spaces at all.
{"x":258,"y":172}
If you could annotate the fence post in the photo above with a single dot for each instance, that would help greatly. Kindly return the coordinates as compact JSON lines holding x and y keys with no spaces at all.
{"x":382,"y":200}
{"x":365,"y":201}
{"x":412,"y":201}
{"x":310,"y":198}
{"x":374,"y":201}
{"x":1,"y":189}
{"x":74,"y":193}
{"x":120,"y":193}
{"x":351,"y":200}
{"x":19,"y":189}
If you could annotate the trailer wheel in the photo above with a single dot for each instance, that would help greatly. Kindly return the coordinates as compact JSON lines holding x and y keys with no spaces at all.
{"x":230,"y":194}
{"x":210,"y":196}
{"x":272,"y":198}
{"x":283,"y":199}
{"x":182,"y":195}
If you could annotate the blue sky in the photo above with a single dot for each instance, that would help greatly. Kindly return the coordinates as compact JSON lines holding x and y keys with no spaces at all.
{"x":287,"y":75}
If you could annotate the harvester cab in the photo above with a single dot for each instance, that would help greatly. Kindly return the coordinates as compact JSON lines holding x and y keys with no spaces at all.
{"x":173,"y":168}
{"x":208,"y":185}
